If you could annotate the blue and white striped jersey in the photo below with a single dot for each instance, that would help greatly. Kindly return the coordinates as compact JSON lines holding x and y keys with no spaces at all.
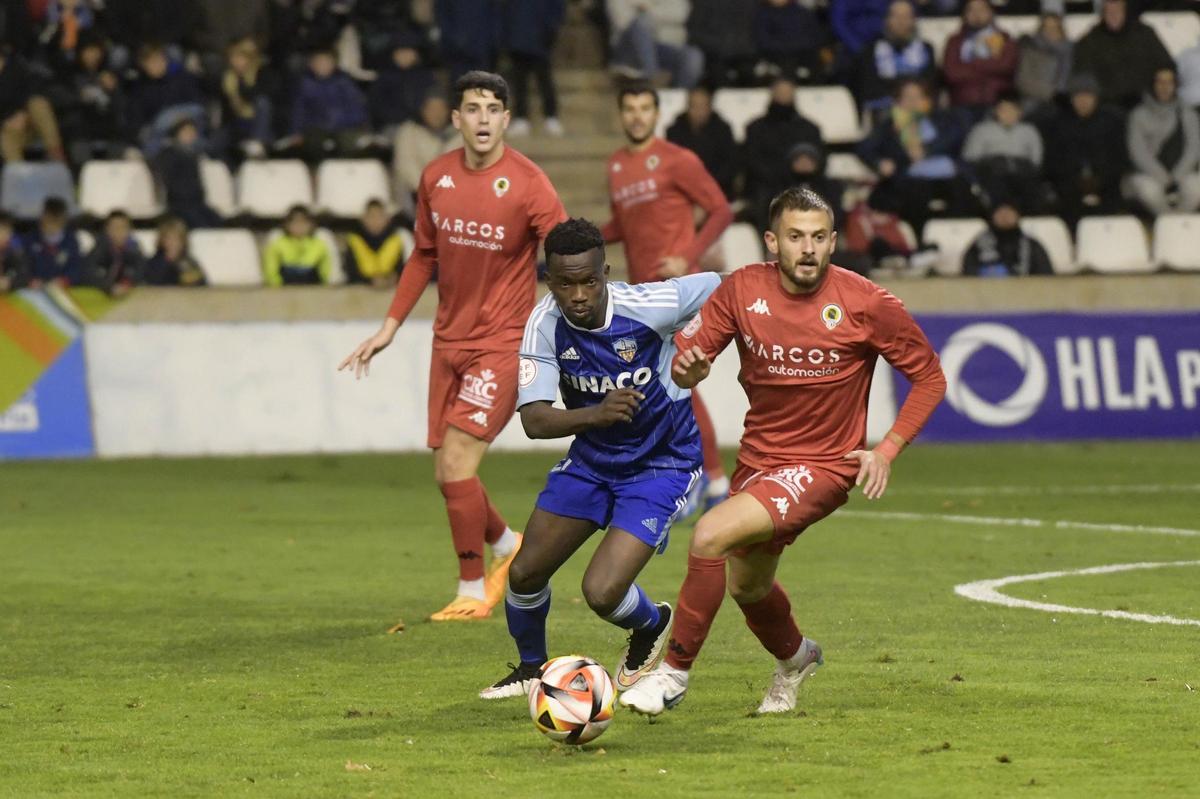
{"x":633,"y":349}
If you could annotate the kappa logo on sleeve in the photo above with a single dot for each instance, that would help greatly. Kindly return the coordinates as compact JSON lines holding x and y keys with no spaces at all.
{"x":693,"y":327}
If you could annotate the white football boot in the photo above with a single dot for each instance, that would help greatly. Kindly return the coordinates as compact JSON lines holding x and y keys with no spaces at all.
{"x":661,"y":689}
{"x":781,"y":696}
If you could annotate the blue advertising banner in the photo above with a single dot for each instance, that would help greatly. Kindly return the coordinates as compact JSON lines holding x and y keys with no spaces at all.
{"x":1059,"y":376}
{"x":53,"y":419}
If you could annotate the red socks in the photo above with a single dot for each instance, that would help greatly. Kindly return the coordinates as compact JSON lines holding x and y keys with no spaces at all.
{"x":699,"y":600}
{"x":708,"y":438}
{"x":770,"y":619}
{"x":467,"y":507}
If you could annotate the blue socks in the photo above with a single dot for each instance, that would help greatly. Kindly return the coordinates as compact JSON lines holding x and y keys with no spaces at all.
{"x":526,"y":614}
{"x":636,"y":611}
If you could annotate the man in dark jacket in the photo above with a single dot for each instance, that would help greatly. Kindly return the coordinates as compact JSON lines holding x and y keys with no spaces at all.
{"x":704,"y":132}
{"x":897,"y":54}
{"x":724,"y":31}
{"x":470,"y":34}
{"x":401,"y":86}
{"x":528,"y":31}
{"x":790,"y":38}
{"x":1004,"y":249}
{"x":329,"y":112}
{"x":771,"y":137}
{"x":1122,"y":53}
{"x":1085,"y":153}
{"x":164,"y":94}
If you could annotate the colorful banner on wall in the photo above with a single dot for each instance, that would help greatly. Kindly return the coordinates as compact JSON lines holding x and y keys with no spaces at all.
{"x":1062,"y":376}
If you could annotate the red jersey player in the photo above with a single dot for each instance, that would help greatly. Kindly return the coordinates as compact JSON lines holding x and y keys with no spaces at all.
{"x":481,"y":211}
{"x":654,"y":187}
{"x":808,"y":334}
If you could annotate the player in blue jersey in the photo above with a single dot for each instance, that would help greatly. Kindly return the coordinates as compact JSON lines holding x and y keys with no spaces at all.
{"x":608,"y":348}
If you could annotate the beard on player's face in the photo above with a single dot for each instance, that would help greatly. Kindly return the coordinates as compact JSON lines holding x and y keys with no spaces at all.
{"x":638,"y":121}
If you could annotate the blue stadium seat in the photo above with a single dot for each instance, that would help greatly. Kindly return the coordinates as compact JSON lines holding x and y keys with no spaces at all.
{"x":25,"y":186}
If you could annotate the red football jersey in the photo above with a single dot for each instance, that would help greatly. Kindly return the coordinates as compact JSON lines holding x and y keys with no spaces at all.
{"x":808,"y":360}
{"x":480,"y":230}
{"x":652,"y":194}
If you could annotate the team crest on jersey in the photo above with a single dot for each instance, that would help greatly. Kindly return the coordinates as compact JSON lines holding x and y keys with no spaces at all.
{"x":501,"y":186}
{"x":616,"y":167}
{"x":652,"y":162}
{"x":831,"y":315}
{"x":626,"y":348}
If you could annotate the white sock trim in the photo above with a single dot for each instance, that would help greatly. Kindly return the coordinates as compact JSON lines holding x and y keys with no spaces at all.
{"x":472,"y":588}
{"x":627,"y":606}
{"x":527,"y":601}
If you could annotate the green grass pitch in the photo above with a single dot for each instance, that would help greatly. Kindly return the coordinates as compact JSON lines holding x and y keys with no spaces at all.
{"x":216,"y":628}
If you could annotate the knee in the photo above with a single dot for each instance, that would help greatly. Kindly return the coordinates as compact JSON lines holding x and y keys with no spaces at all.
{"x":602,"y":596}
{"x":707,"y":541}
{"x":451,"y":466}
{"x":524,"y":577}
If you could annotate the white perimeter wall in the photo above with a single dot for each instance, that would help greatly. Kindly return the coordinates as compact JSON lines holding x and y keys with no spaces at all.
{"x":271,"y":387}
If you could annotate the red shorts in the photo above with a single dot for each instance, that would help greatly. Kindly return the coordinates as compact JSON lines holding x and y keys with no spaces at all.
{"x":796,"y":496}
{"x":473,"y":390}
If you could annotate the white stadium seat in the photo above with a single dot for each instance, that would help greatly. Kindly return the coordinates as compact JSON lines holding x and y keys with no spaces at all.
{"x":832,"y":109}
{"x":228,"y":257}
{"x":345,"y":185}
{"x":218,"y":187}
{"x":848,"y":167}
{"x":1113,"y":244}
{"x":952,"y":237}
{"x":1177,"y":241}
{"x":1053,"y":234}
{"x":1076,"y":25}
{"x":936,"y":30}
{"x":147,"y":241}
{"x":27,"y":185}
{"x":410,"y":241}
{"x":1178,"y":30}
{"x":671,"y":103}
{"x":86,"y":240}
{"x":740,"y":244}
{"x":740,"y":107}
{"x":106,"y":186}
{"x":337,"y":272}
{"x":267,"y":189}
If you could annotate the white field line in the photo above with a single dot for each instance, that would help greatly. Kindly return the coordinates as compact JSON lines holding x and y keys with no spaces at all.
{"x":985,"y":591}
{"x":1009,"y":521}
{"x":1056,"y":490}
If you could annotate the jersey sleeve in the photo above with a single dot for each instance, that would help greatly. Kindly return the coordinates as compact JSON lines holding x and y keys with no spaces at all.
{"x":896,"y":336}
{"x":714,"y":325}
{"x":693,"y":291}
{"x":544,"y":207}
{"x":538,"y":372}
{"x":421,"y":263}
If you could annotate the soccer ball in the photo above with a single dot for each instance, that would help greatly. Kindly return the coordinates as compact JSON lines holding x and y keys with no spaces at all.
{"x":571,"y":699}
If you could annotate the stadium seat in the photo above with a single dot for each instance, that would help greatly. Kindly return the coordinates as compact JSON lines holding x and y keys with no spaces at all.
{"x":910,"y":235}
{"x":936,"y":30}
{"x":106,"y":186}
{"x":345,"y":185}
{"x":1176,"y":237}
{"x":1178,"y":30}
{"x":267,"y":189}
{"x":952,"y":237}
{"x":832,"y":109}
{"x":337,"y":271}
{"x":1113,"y":244}
{"x":1053,"y":234}
{"x":25,"y":186}
{"x":1076,"y":25}
{"x":740,"y":107}
{"x":87,"y":240}
{"x":147,"y":241}
{"x":1018,"y":25}
{"x":218,"y":187}
{"x":848,"y":167}
{"x":740,"y":244}
{"x":410,"y":241}
{"x":228,"y":257}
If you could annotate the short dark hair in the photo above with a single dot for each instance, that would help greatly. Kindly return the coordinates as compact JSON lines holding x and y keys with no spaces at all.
{"x":481,"y":81}
{"x":903,"y":83}
{"x":117,"y":213}
{"x":374,"y":202}
{"x":54,"y":206}
{"x":297,"y":210}
{"x":798,"y":199}
{"x":573,"y":237}
{"x":636,"y":88}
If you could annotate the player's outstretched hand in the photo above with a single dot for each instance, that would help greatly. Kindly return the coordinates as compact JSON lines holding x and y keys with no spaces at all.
{"x":691,"y":366}
{"x":618,"y":406}
{"x":360,"y":359}
{"x":873,"y":472}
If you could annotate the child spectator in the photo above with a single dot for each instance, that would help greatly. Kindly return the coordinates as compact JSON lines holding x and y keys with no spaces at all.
{"x":172,"y":264}
{"x":14,"y":266}
{"x":329,"y":114}
{"x":420,"y":141}
{"x":375,"y":250}
{"x":53,"y":248}
{"x":116,"y":263}
{"x":165,"y":94}
{"x":529,"y":28}
{"x":1004,"y":249}
{"x":298,"y":256}
{"x":1164,"y":148}
{"x":708,"y":135}
{"x":401,"y":86}
{"x":245,"y":98}
{"x":1006,"y":154}
{"x":980,"y":60}
{"x":177,"y":167}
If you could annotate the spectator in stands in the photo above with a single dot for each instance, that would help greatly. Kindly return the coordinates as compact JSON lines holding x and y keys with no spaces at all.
{"x":770,"y":138}
{"x":806,"y":170}
{"x":24,"y":111}
{"x":857,"y":23}
{"x":14,"y":265}
{"x":915,"y":154}
{"x":53,"y":248}
{"x":1187,"y":66}
{"x":420,"y":141}
{"x":1006,"y":154}
{"x":380,"y":25}
{"x":116,"y":263}
{"x":1164,"y":148}
{"x":1043,"y":64}
{"x":163,"y":95}
{"x":529,"y":29}
{"x":401,"y":86}
{"x":470,"y":31}
{"x":979,"y":61}
{"x":172,"y":23}
{"x":648,"y":38}
{"x":896,"y":54}
{"x":90,"y":103}
{"x":298,"y":256}
{"x":172,"y":264}
{"x":708,"y":135}
{"x":1122,"y":53}
{"x":177,"y":169}
{"x":329,"y":113}
{"x":1085,"y":153}
{"x":375,"y":251}
{"x":723,"y":31}
{"x":1004,"y":249}
{"x":246,"y":90}
{"x":792,"y":41}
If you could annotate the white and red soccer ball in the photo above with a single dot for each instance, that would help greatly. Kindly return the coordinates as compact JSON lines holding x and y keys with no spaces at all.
{"x":571,"y":699}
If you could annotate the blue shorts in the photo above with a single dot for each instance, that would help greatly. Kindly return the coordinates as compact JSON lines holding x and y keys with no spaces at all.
{"x":644,"y":506}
